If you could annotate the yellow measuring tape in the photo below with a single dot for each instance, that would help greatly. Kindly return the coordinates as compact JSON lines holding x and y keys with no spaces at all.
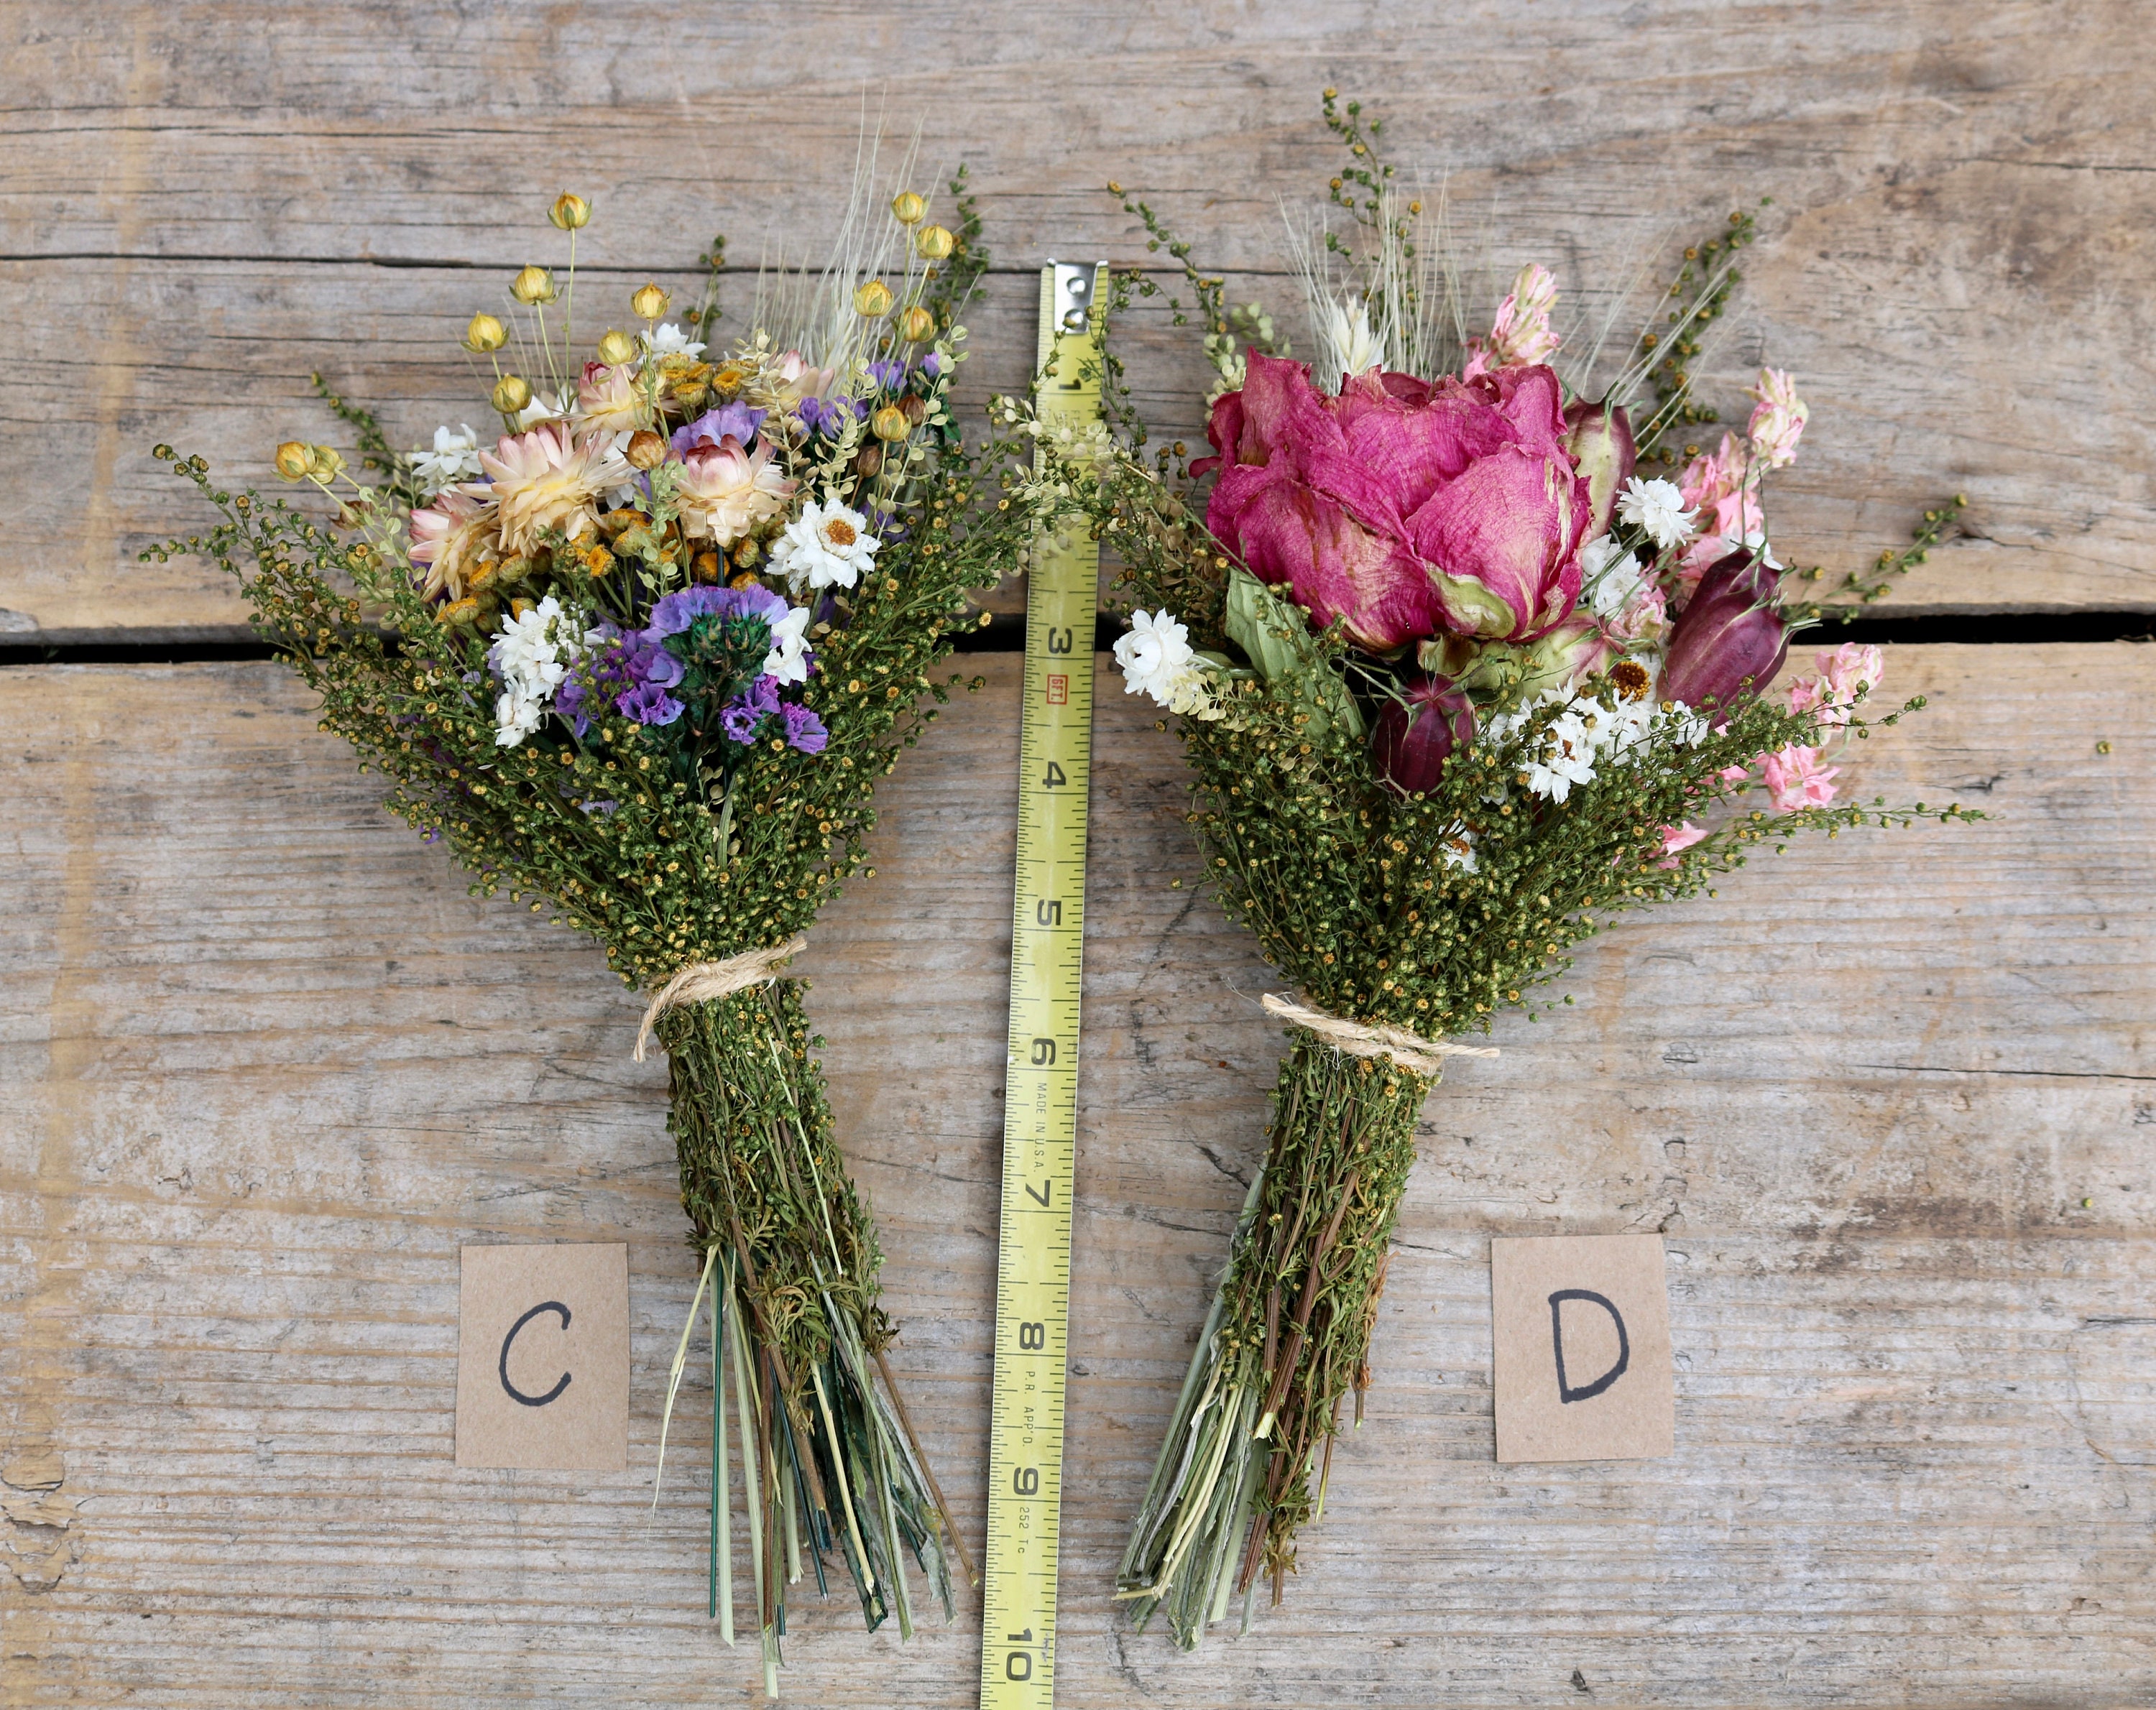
{"x":1040,"y":1081}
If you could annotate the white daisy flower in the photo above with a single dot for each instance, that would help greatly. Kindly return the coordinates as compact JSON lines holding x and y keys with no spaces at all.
{"x":827,"y":545}
{"x":542,"y":408}
{"x":788,"y":661}
{"x":531,"y":656}
{"x":1658,"y":507}
{"x":1156,"y":657}
{"x":670,"y":340}
{"x":1753,"y":542}
{"x":1609,"y":576}
{"x":454,"y":458}
{"x":515,"y":717}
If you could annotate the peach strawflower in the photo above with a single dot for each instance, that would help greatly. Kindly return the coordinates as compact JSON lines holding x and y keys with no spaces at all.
{"x":550,"y":478}
{"x":457,"y":540}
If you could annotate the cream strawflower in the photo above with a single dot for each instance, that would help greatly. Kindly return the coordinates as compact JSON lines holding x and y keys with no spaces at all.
{"x":828,"y":546}
{"x":550,"y":478}
{"x":725,"y":491}
{"x":609,"y":401}
{"x":793,"y":377}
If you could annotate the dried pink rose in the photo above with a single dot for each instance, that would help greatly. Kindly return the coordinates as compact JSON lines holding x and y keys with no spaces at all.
{"x":1403,"y":506}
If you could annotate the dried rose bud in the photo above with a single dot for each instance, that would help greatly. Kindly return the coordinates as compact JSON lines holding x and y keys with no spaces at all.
{"x":916,"y":409}
{"x":870,"y":461}
{"x":617,"y":349}
{"x":872,"y":300}
{"x":646,"y":449}
{"x":1415,"y":735}
{"x":649,"y":302}
{"x":534,"y":284}
{"x":916,"y":326}
{"x":1731,"y":634}
{"x":292,"y":460}
{"x":890,"y":422}
{"x":511,"y":393}
{"x":907,"y":208}
{"x":572,"y":213}
{"x":1599,"y":437}
{"x":485,"y":334}
{"x":934,"y":242}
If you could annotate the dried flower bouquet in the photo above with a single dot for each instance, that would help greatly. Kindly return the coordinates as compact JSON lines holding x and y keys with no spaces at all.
{"x":1459,"y":681}
{"x":640,"y":662}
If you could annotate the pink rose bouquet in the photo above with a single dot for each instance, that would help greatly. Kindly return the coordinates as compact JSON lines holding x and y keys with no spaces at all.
{"x":1461,"y":679}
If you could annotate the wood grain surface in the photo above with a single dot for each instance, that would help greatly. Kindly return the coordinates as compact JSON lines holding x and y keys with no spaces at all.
{"x":1889,"y":1098}
{"x":201,"y":202}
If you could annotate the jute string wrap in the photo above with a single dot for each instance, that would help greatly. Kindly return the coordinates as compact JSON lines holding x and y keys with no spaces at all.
{"x":1425,"y":1056}
{"x":702,"y":981}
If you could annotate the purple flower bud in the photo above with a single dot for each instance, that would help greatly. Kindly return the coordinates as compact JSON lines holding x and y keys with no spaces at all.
{"x":1732,"y":631}
{"x":1415,"y":735}
{"x":805,"y":730}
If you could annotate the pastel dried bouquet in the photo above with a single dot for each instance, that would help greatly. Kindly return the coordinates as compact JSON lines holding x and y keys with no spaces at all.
{"x":639,"y":662}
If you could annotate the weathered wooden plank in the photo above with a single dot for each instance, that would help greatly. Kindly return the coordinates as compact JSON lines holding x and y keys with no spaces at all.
{"x":201,"y":205}
{"x":267,"y":1065}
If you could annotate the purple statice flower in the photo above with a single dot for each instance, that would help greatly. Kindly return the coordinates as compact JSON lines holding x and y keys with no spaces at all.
{"x":569,"y":702}
{"x":932,"y":365}
{"x":676,"y":611}
{"x":805,"y":730}
{"x":744,"y":714}
{"x":642,"y":659}
{"x":737,"y":420}
{"x":888,"y":375}
{"x":648,"y":703}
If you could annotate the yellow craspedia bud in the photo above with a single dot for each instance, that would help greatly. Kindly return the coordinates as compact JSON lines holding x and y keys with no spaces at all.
{"x":890,"y":422}
{"x":485,"y":334}
{"x":616,"y":349}
{"x":292,"y":460}
{"x":572,"y":213}
{"x":916,"y":326}
{"x":534,"y":284}
{"x":324,"y":461}
{"x":908,"y":208}
{"x":510,"y":394}
{"x":934,"y":242}
{"x":872,"y":300}
{"x":650,"y":302}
